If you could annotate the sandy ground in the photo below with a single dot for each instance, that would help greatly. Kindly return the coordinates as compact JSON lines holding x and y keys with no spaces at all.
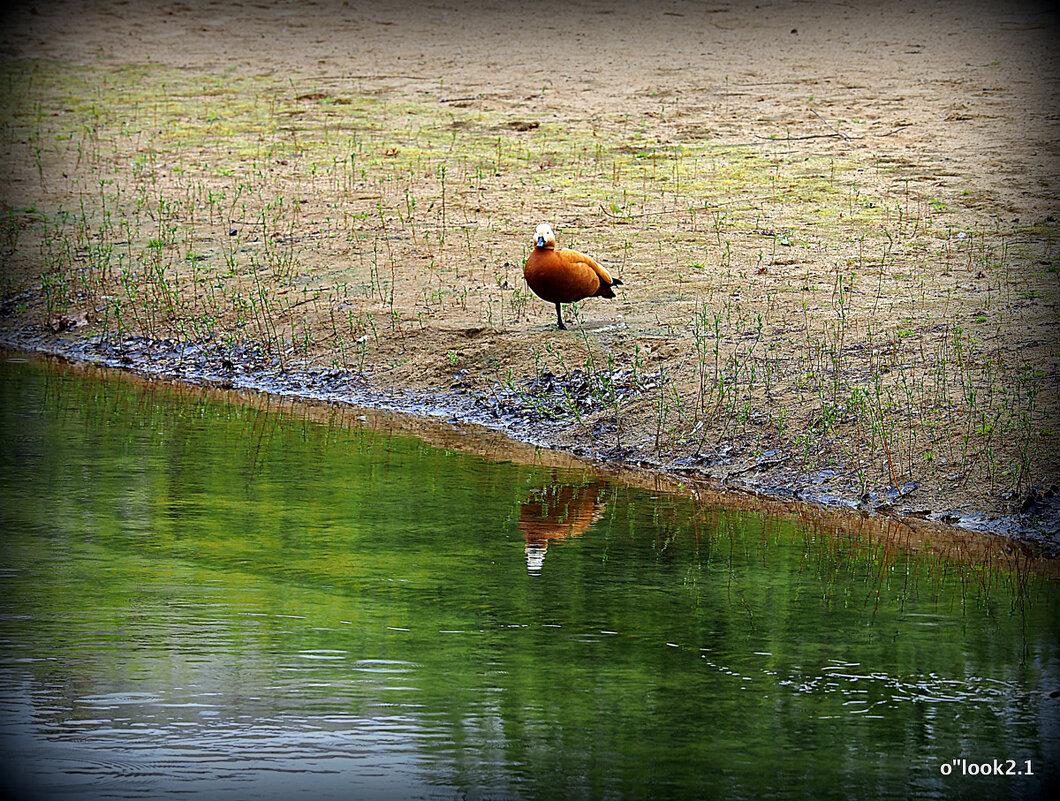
{"x":942,"y":105}
{"x":969,"y":88}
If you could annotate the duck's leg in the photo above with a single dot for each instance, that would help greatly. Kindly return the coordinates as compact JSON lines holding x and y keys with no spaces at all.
{"x":559,"y":317}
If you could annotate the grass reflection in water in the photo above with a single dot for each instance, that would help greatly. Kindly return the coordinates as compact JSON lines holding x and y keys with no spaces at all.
{"x":207,"y":594}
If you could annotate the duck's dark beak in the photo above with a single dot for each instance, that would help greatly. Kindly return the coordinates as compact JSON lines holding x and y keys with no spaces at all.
{"x":540,"y":242}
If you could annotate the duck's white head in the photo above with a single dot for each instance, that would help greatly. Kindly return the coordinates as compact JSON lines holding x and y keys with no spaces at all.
{"x":544,"y":238}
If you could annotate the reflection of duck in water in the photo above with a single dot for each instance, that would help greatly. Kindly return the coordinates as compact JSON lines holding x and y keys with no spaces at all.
{"x":556,"y":512}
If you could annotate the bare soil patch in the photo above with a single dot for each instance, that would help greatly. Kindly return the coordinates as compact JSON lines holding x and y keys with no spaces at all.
{"x":836,"y":224}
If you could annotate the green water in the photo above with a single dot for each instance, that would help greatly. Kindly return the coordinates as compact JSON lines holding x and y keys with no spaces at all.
{"x":203,"y":597}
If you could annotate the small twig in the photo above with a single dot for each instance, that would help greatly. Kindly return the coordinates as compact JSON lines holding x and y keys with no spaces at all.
{"x":798,"y":138}
{"x":836,"y":135}
{"x":640,"y":216}
{"x":897,"y":129}
{"x":646,"y":214}
{"x":890,"y":462}
{"x":826,"y":122}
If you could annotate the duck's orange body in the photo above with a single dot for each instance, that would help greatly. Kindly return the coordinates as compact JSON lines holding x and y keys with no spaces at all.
{"x":564,"y":276}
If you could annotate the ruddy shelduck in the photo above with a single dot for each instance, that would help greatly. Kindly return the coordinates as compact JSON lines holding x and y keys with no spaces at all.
{"x":564,"y":276}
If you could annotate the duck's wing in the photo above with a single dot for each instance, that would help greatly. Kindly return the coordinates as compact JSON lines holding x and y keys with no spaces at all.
{"x":606,"y":280}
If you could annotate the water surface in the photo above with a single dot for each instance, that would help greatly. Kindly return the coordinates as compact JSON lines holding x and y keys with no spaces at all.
{"x":202,"y":595}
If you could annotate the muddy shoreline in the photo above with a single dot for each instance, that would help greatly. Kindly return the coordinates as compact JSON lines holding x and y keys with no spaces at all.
{"x":1033,"y":524}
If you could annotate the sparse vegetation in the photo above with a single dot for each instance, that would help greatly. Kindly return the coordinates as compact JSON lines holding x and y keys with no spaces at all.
{"x":785,"y":304}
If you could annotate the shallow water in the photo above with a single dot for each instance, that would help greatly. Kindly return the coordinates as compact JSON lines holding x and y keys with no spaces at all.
{"x":206,"y":596}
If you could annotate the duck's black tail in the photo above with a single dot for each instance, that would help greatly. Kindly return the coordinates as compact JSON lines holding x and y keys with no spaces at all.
{"x":605,"y":289}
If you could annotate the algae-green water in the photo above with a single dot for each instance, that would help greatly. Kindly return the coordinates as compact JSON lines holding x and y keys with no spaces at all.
{"x":204,"y":597}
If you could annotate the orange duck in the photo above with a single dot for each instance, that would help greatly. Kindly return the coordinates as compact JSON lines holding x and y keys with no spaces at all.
{"x":564,"y":276}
